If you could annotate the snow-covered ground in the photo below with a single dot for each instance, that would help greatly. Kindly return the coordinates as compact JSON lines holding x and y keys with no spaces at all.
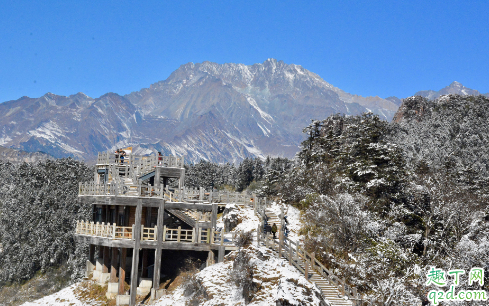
{"x":65,"y":297}
{"x":248,"y":220}
{"x":274,"y":278}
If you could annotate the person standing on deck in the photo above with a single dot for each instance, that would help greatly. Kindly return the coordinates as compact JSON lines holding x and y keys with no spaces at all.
{"x":274,"y":230}
{"x":160,"y":158}
{"x":122,"y":154}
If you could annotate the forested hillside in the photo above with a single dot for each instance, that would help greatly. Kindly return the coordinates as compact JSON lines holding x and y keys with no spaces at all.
{"x":382,"y":202}
{"x":38,"y":211}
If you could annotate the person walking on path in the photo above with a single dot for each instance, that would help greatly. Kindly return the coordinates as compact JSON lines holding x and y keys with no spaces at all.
{"x":274,"y":230}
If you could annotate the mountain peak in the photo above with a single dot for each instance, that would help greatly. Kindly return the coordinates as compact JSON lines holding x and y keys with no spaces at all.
{"x":454,"y":88}
{"x":456,"y":84}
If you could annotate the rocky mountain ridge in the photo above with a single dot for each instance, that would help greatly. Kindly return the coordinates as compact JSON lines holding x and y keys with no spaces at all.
{"x":216,"y":112}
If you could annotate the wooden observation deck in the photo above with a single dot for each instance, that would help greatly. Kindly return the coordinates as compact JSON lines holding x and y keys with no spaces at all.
{"x":140,"y":208}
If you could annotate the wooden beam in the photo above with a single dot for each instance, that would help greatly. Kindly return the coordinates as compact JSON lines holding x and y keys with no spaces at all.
{"x":122,"y":270}
{"x":182,"y":205}
{"x":126,"y":243}
{"x":135,"y":256}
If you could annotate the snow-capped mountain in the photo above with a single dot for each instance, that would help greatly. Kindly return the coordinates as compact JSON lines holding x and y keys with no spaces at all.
{"x":454,"y":88}
{"x":218,"y":112}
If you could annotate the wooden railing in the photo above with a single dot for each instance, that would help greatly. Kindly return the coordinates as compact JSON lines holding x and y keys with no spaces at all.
{"x":113,"y":231}
{"x":139,"y":161}
{"x":118,"y":188}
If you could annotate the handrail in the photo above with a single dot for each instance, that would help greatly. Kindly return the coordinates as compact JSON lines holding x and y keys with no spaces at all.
{"x":294,"y":254}
{"x":144,"y":162}
{"x":116,"y":232}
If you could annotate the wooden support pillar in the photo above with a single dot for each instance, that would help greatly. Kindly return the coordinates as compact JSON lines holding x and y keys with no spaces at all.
{"x":181,"y":180}
{"x":144,"y":263}
{"x":160,"y":233}
{"x":214,"y":215}
{"x":101,"y":252}
{"x":91,"y":254}
{"x":105,"y":268}
{"x":157,"y":177}
{"x":210,"y":259}
{"x":122,"y":270}
{"x":113,"y":266}
{"x":135,"y":256}
{"x":220,"y":254}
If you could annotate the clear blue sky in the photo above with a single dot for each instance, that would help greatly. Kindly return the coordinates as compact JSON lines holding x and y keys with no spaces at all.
{"x":368,"y":48}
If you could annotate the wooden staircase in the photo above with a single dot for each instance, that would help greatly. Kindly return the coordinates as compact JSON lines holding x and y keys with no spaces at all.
{"x":297,"y":258}
{"x":182,"y":216}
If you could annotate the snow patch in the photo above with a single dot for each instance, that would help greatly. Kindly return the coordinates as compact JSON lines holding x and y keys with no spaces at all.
{"x":262,"y":113}
{"x":264,"y":130}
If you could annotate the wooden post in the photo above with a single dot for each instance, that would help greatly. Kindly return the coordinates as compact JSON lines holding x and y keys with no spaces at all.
{"x":199,"y":235}
{"x":91,"y":253}
{"x":160,"y":238}
{"x":178,"y":233}
{"x":113,"y":266}
{"x":280,"y":242}
{"x":105,"y":268}
{"x":214,"y":215}
{"x":157,"y":176}
{"x":135,"y":255}
{"x":222,"y":237}
{"x":144,"y":263}
{"x":122,"y":270}
{"x":258,"y":236}
{"x":290,"y":252}
{"x":210,"y":258}
{"x":220,"y":254}
{"x":306,"y":266}
{"x":313,"y":260}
